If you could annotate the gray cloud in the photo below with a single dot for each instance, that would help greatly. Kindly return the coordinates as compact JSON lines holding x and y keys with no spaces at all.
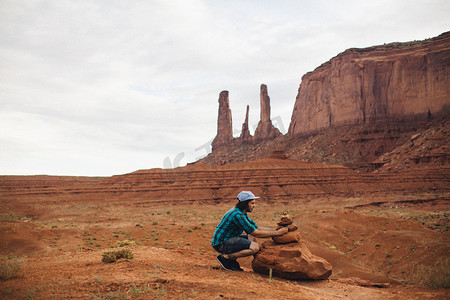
{"x":108,"y":87}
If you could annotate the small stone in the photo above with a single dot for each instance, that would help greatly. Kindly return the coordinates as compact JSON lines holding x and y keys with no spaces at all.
{"x":285,"y":221}
{"x":292,"y":227}
{"x":290,"y":237}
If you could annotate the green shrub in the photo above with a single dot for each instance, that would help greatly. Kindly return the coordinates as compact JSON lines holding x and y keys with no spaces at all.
{"x":109,"y":257}
{"x":135,"y":291}
{"x":113,"y":256}
{"x":111,"y":295}
{"x":125,"y":243}
{"x":125,"y":253}
{"x":9,"y":269}
{"x":435,"y":276}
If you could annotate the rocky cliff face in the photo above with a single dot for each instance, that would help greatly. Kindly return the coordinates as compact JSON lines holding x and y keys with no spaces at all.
{"x":360,"y":110}
{"x":382,"y":82}
{"x":277,"y":180}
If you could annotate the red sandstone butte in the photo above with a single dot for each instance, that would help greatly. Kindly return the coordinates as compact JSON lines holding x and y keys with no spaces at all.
{"x":382,"y":82}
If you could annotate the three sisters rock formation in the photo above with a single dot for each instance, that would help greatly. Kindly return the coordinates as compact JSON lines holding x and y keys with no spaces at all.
{"x":265,"y":129}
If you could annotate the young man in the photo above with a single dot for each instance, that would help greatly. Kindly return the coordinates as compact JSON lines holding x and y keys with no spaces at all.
{"x":228,"y":238}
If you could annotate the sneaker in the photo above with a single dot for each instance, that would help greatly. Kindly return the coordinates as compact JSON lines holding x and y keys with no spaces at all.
{"x":236,"y":266}
{"x":227,"y":264}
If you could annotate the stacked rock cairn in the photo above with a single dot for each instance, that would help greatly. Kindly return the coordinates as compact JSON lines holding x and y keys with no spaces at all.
{"x":287,"y":256}
{"x":293,"y":236}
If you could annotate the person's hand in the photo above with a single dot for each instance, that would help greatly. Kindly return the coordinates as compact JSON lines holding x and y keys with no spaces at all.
{"x":283,"y":230}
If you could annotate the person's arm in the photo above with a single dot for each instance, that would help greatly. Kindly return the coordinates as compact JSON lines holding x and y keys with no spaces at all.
{"x":265,"y":228}
{"x":265,"y":232}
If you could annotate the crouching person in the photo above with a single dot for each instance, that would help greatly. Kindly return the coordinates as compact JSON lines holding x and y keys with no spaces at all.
{"x":228,"y":238}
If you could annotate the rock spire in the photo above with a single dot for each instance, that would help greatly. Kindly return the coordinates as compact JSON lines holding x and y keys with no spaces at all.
{"x":224,"y":123}
{"x":265,"y":104}
{"x":265,"y":129}
{"x":245,"y":136}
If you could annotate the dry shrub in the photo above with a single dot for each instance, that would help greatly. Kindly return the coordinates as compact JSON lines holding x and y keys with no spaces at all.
{"x":109,"y":257}
{"x":435,"y":276}
{"x":125,"y":253}
{"x":9,"y":269}
{"x":113,"y":256}
{"x":125,"y":243}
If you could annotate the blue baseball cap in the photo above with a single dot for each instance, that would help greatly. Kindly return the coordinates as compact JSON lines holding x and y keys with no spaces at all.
{"x":246,"y":196}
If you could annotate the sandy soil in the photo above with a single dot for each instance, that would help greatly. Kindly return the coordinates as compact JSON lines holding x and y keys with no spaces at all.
{"x":378,"y":245}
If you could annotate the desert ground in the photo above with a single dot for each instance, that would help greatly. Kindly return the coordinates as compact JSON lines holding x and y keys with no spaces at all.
{"x":382,"y":245}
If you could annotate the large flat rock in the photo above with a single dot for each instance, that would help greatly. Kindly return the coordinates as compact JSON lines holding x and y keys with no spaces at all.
{"x":290,"y":261}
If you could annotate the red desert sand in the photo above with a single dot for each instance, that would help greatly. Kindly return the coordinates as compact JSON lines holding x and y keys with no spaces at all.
{"x":386,"y":237}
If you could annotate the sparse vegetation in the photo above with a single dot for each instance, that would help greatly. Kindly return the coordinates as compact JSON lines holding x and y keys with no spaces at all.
{"x":30,"y":293}
{"x":9,"y":269}
{"x":191,"y":231}
{"x":270,"y":275}
{"x":435,"y":276}
{"x":155,"y":273}
{"x":125,"y":243}
{"x":135,"y":291}
{"x":12,"y":217}
{"x":111,"y":295}
{"x":113,"y":256}
{"x":160,"y":292}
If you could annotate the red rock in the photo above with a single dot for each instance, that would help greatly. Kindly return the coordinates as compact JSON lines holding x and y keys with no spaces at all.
{"x":245,"y":136}
{"x":265,"y":129}
{"x":382,"y":82}
{"x":290,"y":261}
{"x":224,"y":123}
{"x":363,"y":282}
{"x":361,"y":105}
{"x":265,"y":104}
{"x":290,"y":237}
{"x":279,"y":154}
{"x":292,"y":227}
{"x":285,"y":220}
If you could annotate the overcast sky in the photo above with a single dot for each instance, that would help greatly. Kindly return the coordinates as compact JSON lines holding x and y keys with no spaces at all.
{"x":101,"y":88}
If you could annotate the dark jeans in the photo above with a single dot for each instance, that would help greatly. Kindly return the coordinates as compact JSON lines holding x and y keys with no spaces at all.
{"x":234,"y":244}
